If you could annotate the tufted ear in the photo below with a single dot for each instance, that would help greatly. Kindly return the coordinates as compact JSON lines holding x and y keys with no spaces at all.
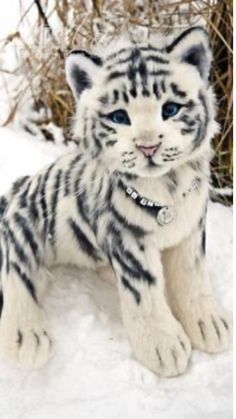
{"x":192,"y":47}
{"x":81,"y":70}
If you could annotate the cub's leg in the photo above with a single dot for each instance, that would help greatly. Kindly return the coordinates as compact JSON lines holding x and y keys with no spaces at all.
{"x":157,"y":338}
{"x":190,"y":294}
{"x":24,"y":335}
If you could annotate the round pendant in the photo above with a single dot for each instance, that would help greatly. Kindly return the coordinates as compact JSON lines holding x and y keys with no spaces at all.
{"x":165,"y":216}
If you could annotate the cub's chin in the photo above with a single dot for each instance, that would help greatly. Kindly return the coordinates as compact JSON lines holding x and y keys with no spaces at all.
{"x":152,"y":170}
{"x":147,"y":172}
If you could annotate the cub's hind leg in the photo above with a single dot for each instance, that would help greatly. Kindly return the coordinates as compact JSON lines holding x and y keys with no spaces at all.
{"x":24,"y":336}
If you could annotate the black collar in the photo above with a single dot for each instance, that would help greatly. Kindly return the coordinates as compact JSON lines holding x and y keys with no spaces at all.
{"x":164,"y":214}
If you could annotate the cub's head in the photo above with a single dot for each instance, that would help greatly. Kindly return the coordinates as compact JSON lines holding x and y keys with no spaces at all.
{"x":145,"y":107}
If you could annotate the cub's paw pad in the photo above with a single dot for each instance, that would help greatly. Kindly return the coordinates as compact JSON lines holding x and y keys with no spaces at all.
{"x":207,"y":326}
{"x":34,"y":348}
{"x":165,"y":350}
{"x":173,"y":354}
{"x":30,"y":345}
{"x":214,"y":330}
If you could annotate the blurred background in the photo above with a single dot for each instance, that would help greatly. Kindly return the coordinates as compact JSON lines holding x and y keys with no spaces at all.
{"x":36,"y":36}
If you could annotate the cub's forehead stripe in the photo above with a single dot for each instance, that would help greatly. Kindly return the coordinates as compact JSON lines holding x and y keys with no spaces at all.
{"x":116,"y":75}
{"x":116,"y":54}
{"x":132,"y":74}
{"x":147,"y":58}
{"x":131,"y":48}
{"x":157,"y":59}
{"x":157,"y":73}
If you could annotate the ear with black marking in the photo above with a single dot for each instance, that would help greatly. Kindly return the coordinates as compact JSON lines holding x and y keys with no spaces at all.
{"x":192,"y":47}
{"x":81,"y":71}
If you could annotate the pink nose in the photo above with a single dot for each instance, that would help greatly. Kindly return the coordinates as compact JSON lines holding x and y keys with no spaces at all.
{"x":149,"y":151}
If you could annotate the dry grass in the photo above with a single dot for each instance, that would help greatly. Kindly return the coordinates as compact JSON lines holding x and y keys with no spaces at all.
{"x":64,"y":24}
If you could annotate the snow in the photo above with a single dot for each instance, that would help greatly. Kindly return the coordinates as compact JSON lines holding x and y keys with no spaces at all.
{"x":93,"y":374}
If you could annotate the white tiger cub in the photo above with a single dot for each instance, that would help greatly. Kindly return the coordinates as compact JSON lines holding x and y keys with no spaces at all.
{"x":132,"y":196}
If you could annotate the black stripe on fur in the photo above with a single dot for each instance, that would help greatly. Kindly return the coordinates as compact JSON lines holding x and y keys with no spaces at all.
{"x":116,"y":75}
{"x":131,"y":266}
{"x":67,"y":186}
{"x":17,"y":185}
{"x":202,"y":128}
{"x":33,"y":199}
{"x":28,"y":235}
{"x":43,"y":201}
{"x":54,"y":203}
{"x":176,"y":90}
{"x":3,"y":205}
{"x":83,"y":241}
{"x":125,"y":258}
{"x":204,"y":241}
{"x":136,"y":294}
{"x":18,"y":248}
{"x":1,"y":302}
{"x":25,"y":279}
{"x":137,"y":231}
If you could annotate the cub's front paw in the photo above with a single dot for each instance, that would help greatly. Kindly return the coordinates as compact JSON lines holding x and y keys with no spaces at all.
{"x":161,"y":345}
{"x":207,"y":325}
{"x":24,"y":341}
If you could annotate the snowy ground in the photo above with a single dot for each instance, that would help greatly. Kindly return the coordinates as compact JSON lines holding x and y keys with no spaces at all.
{"x":93,"y":374}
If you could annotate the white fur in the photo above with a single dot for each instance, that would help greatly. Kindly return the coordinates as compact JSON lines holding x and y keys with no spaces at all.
{"x":165,"y":323}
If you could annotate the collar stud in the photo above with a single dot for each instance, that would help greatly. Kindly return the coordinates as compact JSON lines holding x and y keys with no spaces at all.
{"x":165,"y":215}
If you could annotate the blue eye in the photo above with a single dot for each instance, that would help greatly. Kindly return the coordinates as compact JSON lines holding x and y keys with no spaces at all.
{"x":119,"y":117}
{"x":170,"y":109}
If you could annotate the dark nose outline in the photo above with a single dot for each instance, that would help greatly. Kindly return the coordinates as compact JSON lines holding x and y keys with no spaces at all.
{"x":148,"y":151}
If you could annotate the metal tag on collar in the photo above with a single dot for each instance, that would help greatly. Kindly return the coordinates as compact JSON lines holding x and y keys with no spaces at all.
{"x":165,"y":215}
